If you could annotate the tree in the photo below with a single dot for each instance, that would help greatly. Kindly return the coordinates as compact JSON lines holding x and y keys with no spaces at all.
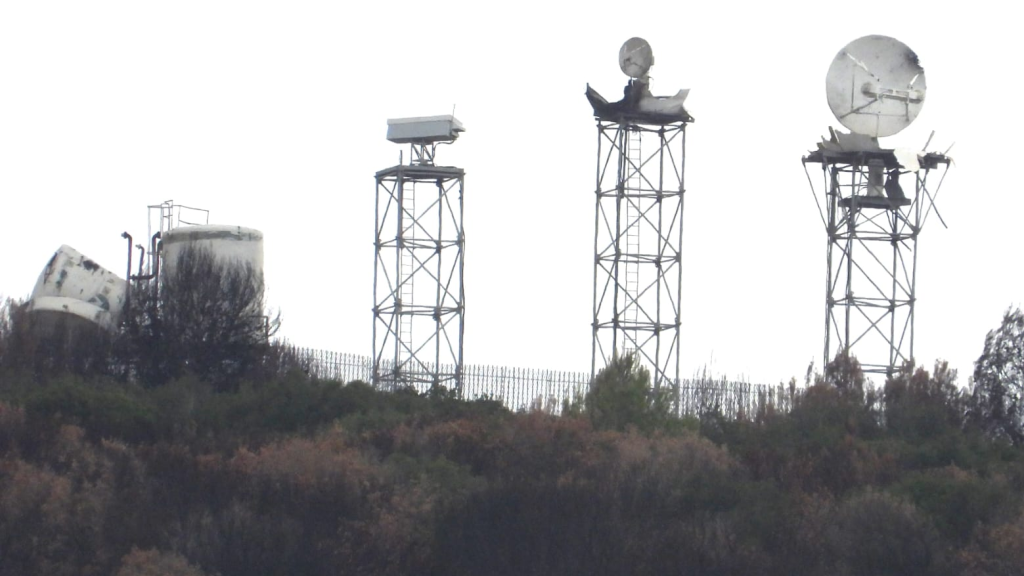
{"x":206,"y":317}
{"x":51,"y":344}
{"x":997,"y":397}
{"x":924,"y":406}
{"x":844,"y":372}
{"x":11,"y":312}
{"x":621,"y":396}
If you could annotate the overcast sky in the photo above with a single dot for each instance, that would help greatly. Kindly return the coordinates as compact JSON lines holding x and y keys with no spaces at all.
{"x":273,"y":116}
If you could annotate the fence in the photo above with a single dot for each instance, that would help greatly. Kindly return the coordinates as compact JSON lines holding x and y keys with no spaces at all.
{"x":524,"y":388}
{"x":548,"y":390}
{"x":339,"y":366}
{"x":732,"y":399}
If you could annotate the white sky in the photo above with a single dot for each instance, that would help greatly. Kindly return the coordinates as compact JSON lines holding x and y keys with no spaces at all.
{"x":273,"y":116}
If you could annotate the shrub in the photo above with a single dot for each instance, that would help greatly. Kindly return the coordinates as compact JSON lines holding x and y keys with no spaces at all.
{"x":104,"y":409}
{"x":958,"y":501}
{"x":55,"y":517}
{"x":156,"y":563}
{"x":921,"y":406}
{"x":874,"y":534}
{"x":621,"y":396}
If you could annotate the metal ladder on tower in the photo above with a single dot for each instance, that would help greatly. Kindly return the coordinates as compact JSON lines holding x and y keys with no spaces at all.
{"x":407,"y":273}
{"x":632,"y":252}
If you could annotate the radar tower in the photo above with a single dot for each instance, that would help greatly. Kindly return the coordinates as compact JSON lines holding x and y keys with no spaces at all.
{"x":873,"y":201}
{"x":638,"y":221}
{"x":419,"y":243}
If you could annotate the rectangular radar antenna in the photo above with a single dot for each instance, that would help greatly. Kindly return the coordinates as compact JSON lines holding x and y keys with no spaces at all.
{"x":423,"y":134}
{"x":418,"y":292}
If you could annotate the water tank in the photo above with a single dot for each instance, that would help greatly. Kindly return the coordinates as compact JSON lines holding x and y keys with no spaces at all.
{"x":228,"y":244}
{"x":75,"y":289}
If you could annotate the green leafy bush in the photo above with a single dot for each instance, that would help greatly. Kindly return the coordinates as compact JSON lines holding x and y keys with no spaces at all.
{"x":997,"y":398}
{"x":621,"y":396}
{"x":104,"y":409}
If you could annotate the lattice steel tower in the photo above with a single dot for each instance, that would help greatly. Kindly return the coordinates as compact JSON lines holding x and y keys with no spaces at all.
{"x":871,"y":271}
{"x":638,"y":223}
{"x":875,"y":88}
{"x":419,"y":297}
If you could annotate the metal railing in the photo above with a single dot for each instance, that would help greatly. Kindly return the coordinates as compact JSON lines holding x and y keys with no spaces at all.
{"x":327,"y":365}
{"x":732,"y":399}
{"x":523,"y":389}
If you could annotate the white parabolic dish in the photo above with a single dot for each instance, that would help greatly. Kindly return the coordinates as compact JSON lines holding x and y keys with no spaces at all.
{"x":636,"y":57}
{"x":875,"y":86}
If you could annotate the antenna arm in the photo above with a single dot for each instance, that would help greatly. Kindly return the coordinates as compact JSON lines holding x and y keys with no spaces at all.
{"x":859,"y":108}
{"x":821,"y":213}
{"x":931,"y":200}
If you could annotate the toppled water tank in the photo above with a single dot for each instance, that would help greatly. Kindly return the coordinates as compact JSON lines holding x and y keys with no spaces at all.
{"x":227,"y":244}
{"x":73,"y":288}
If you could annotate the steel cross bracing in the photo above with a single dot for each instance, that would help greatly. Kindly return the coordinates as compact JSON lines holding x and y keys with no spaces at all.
{"x":638,"y":234}
{"x":417,"y":282}
{"x":871,"y":271}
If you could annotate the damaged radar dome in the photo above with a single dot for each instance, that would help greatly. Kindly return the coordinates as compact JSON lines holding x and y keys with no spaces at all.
{"x":76,"y":291}
{"x":635,"y":60}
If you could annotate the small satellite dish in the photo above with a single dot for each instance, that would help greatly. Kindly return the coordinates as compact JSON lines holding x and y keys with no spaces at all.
{"x":636,"y":57}
{"x":875,"y":86}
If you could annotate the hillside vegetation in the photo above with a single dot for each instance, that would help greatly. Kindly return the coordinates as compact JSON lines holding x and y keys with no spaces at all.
{"x":271,"y":472}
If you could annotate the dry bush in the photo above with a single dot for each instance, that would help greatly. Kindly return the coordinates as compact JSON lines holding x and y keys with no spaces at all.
{"x":296,"y":506}
{"x":12,"y":426}
{"x":306,"y":469}
{"x":34,"y":502}
{"x":1007,"y":545}
{"x":53,"y":516}
{"x":997,"y":551}
{"x":875,"y":533}
{"x":562,"y":497}
{"x":156,"y":563}
{"x":76,"y":508}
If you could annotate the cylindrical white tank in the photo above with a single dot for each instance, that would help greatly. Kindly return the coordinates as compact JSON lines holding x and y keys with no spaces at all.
{"x":73,"y":285}
{"x":228,"y":244}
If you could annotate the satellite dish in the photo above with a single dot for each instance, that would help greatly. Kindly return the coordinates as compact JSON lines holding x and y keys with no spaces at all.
{"x":636,"y":57}
{"x":875,"y":86}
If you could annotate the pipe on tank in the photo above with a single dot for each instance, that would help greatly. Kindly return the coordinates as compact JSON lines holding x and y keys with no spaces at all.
{"x":154,"y":253}
{"x":142,"y":259}
{"x":128,"y":276}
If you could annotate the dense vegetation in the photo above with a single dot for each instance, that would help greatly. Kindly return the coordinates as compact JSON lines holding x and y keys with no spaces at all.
{"x":272,"y":472}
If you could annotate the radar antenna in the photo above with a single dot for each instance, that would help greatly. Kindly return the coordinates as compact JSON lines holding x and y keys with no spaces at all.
{"x":638,"y":224}
{"x":875,"y":86}
{"x":636,"y":58}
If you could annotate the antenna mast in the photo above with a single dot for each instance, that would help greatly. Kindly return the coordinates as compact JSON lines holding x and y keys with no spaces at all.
{"x":419,"y":243}
{"x":638,"y":221}
{"x":875,"y":200}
